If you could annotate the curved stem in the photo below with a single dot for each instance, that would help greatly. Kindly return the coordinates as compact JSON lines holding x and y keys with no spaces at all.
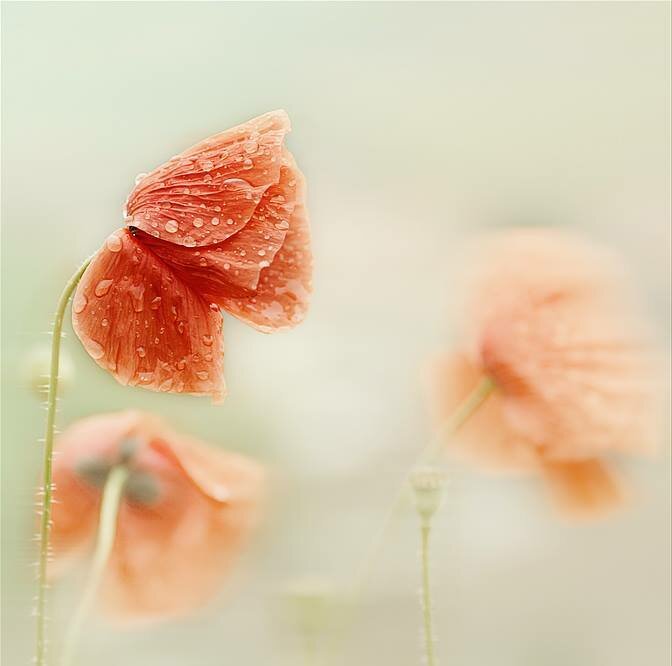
{"x":428,"y":625}
{"x":464,"y":410}
{"x":107,"y":528}
{"x":47,"y":492}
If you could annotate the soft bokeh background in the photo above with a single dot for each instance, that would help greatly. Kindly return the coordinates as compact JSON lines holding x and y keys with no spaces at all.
{"x":417,"y":125}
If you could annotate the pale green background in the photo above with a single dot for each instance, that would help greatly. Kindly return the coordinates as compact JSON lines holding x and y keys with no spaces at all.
{"x":416,"y":125}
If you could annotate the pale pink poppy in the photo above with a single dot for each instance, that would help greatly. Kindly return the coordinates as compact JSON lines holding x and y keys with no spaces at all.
{"x":548,"y":319}
{"x":221,"y":225}
{"x":186,"y":511}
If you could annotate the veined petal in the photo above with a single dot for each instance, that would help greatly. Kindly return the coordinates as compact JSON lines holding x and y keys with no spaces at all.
{"x":232,"y":268}
{"x":145,"y":325}
{"x":209,"y":192}
{"x":282,"y":296}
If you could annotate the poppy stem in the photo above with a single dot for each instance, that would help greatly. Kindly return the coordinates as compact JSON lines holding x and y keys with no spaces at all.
{"x":427,"y":484}
{"x":47,"y":492}
{"x":458,"y":418}
{"x":107,"y":529}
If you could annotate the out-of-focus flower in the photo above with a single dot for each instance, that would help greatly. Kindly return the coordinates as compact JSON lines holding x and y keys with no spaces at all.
{"x":548,"y":319}
{"x":185,"y":513}
{"x":222,"y":225}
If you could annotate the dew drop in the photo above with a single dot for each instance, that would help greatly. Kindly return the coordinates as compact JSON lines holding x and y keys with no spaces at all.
{"x":198,"y":222}
{"x":202,"y":374}
{"x":251,"y":147}
{"x":227,"y":266}
{"x":171,"y":226}
{"x":94,"y":348}
{"x":214,"y":221}
{"x":166,"y":384}
{"x":181,"y":364}
{"x":141,"y":352}
{"x":264,"y":264}
{"x":229,"y":221}
{"x":203,"y":261}
{"x":113,"y":243}
{"x":103,"y":287}
{"x":261,"y":253}
{"x":247,"y":163}
{"x":80,"y":302}
{"x":145,"y":377}
{"x":207,"y":340}
{"x":104,"y":322}
{"x":189,"y":241}
{"x":156,"y":302}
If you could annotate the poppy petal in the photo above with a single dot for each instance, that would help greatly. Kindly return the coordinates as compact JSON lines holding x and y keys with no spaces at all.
{"x":209,"y":192}
{"x":145,"y":325}
{"x":232,"y":268}
{"x":282,"y":297}
{"x":220,"y":475}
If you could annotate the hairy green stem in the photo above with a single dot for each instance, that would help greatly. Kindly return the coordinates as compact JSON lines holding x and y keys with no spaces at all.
{"x":47,"y":491}
{"x":107,"y":529}
{"x":428,"y":625}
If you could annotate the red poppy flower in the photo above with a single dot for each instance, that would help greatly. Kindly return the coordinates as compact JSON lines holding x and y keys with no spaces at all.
{"x":222,"y":225}
{"x":547,"y":318}
{"x":184,"y":516}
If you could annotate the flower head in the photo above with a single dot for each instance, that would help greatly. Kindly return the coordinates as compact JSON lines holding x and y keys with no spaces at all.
{"x":222,"y":225}
{"x":186,"y":511}
{"x":547,"y":317}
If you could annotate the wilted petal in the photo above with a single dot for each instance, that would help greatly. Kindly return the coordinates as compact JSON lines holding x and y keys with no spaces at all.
{"x":282,"y":297}
{"x":145,"y":325}
{"x":210,"y":191}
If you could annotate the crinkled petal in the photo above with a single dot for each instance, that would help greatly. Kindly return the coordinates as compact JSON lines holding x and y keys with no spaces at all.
{"x":282,"y":297}
{"x":145,"y":325}
{"x":210,"y":191}
{"x":232,"y":268}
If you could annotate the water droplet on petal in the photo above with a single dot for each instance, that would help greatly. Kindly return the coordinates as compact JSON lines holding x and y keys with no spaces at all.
{"x":103,"y":287}
{"x":261,"y":253}
{"x":145,"y":377}
{"x":141,"y":352}
{"x":171,"y":226}
{"x":207,"y":340}
{"x":113,"y":243}
{"x":181,"y":364}
{"x":94,"y":348}
{"x":189,"y":241}
{"x":79,"y":303}
{"x":202,"y":374}
{"x":156,"y":302}
{"x":214,"y":221}
{"x":251,"y":147}
{"x":104,"y":322}
{"x":198,"y":222}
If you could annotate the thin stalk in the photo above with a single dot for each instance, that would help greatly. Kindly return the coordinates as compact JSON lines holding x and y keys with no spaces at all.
{"x":47,"y":492}
{"x":429,"y":454}
{"x":428,"y":624}
{"x":107,"y":529}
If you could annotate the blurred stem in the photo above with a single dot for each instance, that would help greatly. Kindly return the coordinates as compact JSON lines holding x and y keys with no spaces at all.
{"x":107,"y":528}
{"x":428,"y":626}
{"x":464,"y":411}
{"x":47,"y":491}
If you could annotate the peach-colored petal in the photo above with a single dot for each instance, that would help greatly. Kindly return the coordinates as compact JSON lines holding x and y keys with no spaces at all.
{"x":584,"y":489}
{"x":143,"y":324}
{"x":210,"y":191}
{"x":486,"y":438}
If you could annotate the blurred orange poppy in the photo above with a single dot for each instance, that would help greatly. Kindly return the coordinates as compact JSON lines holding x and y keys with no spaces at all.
{"x":546,"y":318}
{"x":222,"y":225}
{"x":186,"y":511}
